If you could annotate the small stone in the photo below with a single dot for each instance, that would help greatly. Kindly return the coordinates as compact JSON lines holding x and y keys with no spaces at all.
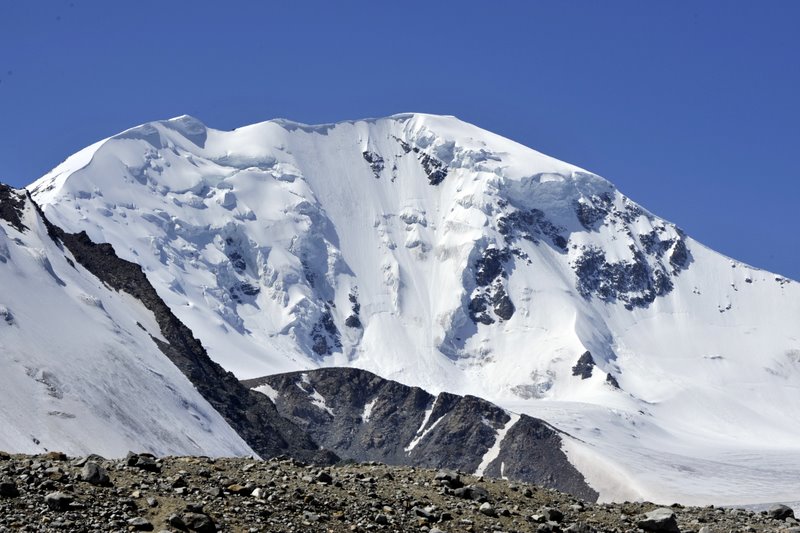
{"x":176,"y":521}
{"x":58,"y":501}
{"x":660,"y":521}
{"x":55,"y":456}
{"x":194,"y":507}
{"x":552,"y":515}
{"x":140,"y":524}
{"x":199,"y":522}
{"x":95,"y":474}
{"x":382,"y":519}
{"x":241,"y":490}
{"x":472,"y":492}
{"x":423,"y":513}
{"x":152,"y":502}
{"x":580,"y":527}
{"x":449,"y":479}
{"x":780,"y":512}
{"x":324,"y":477}
{"x":487,"y":509}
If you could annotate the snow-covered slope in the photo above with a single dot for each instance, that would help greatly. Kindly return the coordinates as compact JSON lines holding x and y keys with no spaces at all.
{"x":79,"y":371}
{"x":440,"y":255}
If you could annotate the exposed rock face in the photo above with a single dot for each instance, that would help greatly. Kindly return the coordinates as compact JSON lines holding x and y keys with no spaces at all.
{"x":489,"y":300}
{"x":364,"y":417}
{"x":584,"y":366}
{"x":11,"y":203}
{"x":376,"y":163}
{"x":252,"y":415}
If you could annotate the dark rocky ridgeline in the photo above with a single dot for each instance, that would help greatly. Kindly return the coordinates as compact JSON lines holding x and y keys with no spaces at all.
{"x":11,"y":204}
{"x":143,"y":493}
{"x":364,"y":417}
{"x":252,"y":415}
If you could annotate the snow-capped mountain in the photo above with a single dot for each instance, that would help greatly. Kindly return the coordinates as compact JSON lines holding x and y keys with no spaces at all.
{"x":432,"y":252}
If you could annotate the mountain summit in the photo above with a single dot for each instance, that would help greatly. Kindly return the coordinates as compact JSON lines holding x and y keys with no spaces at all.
{"x":432,"y":252}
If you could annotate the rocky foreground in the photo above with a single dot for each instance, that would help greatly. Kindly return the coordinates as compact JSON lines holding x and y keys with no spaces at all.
{"x":143,"y":493}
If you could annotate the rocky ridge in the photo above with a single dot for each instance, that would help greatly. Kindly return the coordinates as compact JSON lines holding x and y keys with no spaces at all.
{"x":363,"y":417}
{"x":143,"y":493}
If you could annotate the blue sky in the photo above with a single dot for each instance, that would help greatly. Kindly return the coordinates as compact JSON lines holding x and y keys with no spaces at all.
{"x":690,"y":108}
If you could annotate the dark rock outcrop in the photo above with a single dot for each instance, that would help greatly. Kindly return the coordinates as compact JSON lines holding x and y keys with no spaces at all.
{"x":364,"y":417}
{"x":489,"y":299}
{"x":376,"y":162}
{"x":584,"y":366}
{"x":11,"y":205}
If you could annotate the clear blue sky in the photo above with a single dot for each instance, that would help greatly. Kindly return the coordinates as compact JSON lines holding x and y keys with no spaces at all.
{"x":691,"y":108}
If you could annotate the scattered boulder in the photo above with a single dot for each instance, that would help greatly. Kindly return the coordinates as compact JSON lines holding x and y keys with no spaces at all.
{"x":472,"y":492}
{"x":487,"y":509}
{"x":660,"y":521}
{"x":95,"y":474}
{"x":552,"y":515}
{"x":449,"y":479}
{"x":140,"y":524}
{"x":58,"y":501}
{"x":324,"y":477}
{"x":780,"y":512}
{"x":199,"y":522}
{"x":145,"y":461}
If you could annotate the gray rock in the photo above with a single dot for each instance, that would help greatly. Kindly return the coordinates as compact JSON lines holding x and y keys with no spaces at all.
{"x":580,"y":527}
{"x":95,"y":474}
{"x":552,"y":515}
{"x":91,"y":457}
{"x":660,"y":521}
{"x":201,"y":523}
{"x":780,"y":512}
{"x":423,"y":513}
{"x":487,"y":509}
{"x":324,"y":477}
{"x":449,"y":478}
{"x":140,"y":524}
{"x":58,"y":501}
{"x":176,"y":521}
{"x":472,"y":492}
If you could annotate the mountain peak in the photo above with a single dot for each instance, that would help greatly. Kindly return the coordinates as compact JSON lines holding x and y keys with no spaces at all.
{"x":441,"y":255}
